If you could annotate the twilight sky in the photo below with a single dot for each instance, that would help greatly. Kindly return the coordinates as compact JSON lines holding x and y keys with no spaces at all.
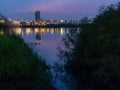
{"x":52,"y":9}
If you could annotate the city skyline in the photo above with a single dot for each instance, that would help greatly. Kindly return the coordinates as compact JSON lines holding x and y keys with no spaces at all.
{"x":52,"y":9}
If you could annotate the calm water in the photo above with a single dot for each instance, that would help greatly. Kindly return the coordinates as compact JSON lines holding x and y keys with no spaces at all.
{"x":44,"y":42}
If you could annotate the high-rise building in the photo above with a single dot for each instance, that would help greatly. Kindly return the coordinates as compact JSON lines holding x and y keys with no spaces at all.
{"x":37,"y":16}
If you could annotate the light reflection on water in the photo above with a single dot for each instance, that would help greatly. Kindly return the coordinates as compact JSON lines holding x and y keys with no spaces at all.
{"x":1,"y":32}
{"x":44,"y":41}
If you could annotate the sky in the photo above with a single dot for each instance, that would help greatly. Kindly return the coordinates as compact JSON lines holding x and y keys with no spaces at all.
{"x":52,"y":9}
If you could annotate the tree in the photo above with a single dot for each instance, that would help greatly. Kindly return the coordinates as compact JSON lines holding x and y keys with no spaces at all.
{"x":92,"y":55}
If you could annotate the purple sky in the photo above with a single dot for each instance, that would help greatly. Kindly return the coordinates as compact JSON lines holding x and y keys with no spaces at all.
{"x":52,"y":9}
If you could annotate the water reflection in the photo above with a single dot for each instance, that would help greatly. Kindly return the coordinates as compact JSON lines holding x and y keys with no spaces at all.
{"x":1,"y":32}
{"x":38,"y":36}
{"x":44,"y":41}
{"x":38,"y":33}
{"x":17,"y":31}
{"x":28,"y":31}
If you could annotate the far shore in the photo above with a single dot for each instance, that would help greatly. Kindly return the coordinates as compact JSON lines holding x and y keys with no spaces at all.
{"x":45,"y":26}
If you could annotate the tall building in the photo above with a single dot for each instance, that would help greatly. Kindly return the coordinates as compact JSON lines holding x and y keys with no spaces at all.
{"x":37,"y":16}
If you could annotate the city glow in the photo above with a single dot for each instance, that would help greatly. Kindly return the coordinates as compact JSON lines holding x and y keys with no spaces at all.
{"x":62,"y":21}
{"x":27,"y":23}
{"x":2,"y":21}
{"x":17,"y":23}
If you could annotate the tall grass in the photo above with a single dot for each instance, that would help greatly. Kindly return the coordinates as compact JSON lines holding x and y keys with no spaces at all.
{"x":20,"y":68}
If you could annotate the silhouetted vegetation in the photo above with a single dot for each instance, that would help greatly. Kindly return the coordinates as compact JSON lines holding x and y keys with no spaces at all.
{"x":5,"y":23}
{"x":20,"y":69}
{"x":93,"y":55}
{"x":3,"y":17}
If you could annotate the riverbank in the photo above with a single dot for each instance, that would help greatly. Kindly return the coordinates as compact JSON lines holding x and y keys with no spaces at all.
{"x":68,"y":25}
{"x":20,"y":68}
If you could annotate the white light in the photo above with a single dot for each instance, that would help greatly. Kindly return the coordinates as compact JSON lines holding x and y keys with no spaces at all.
{"x":2,"y":21}
{"x":62,"y":21}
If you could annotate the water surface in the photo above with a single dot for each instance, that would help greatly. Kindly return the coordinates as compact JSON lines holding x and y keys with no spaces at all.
{"x":44,"y":42}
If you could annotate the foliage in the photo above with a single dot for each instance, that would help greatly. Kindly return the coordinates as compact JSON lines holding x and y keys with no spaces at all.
{"x":3,"y":17}
{"x":20,"y":68}
{"x":93,"y":55}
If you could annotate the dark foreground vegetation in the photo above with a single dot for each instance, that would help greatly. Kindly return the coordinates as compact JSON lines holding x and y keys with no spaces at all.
{"x":93,"y":55}
{"x":20,"y":69}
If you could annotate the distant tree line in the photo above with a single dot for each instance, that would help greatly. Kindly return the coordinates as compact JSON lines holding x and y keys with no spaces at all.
{"x":3,"y":17}
{"x":5,"y":24}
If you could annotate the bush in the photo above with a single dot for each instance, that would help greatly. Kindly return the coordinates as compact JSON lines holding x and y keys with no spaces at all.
{"x":93,"y":55}
{"x":19,"y":67}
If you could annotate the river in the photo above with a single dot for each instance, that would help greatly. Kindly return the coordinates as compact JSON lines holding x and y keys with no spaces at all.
{"x":44,"y":42}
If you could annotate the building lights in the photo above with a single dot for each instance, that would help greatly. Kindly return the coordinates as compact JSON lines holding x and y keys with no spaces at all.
{"x":2,"y":21}
{"x":27,"y":23}
{"x":17,"y":23}
{"x":62,"y":21}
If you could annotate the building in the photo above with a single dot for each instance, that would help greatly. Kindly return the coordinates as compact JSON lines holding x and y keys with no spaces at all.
{"x":2,"y":20}
{"x":37,"y":16}
{"x":16,"y":23}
